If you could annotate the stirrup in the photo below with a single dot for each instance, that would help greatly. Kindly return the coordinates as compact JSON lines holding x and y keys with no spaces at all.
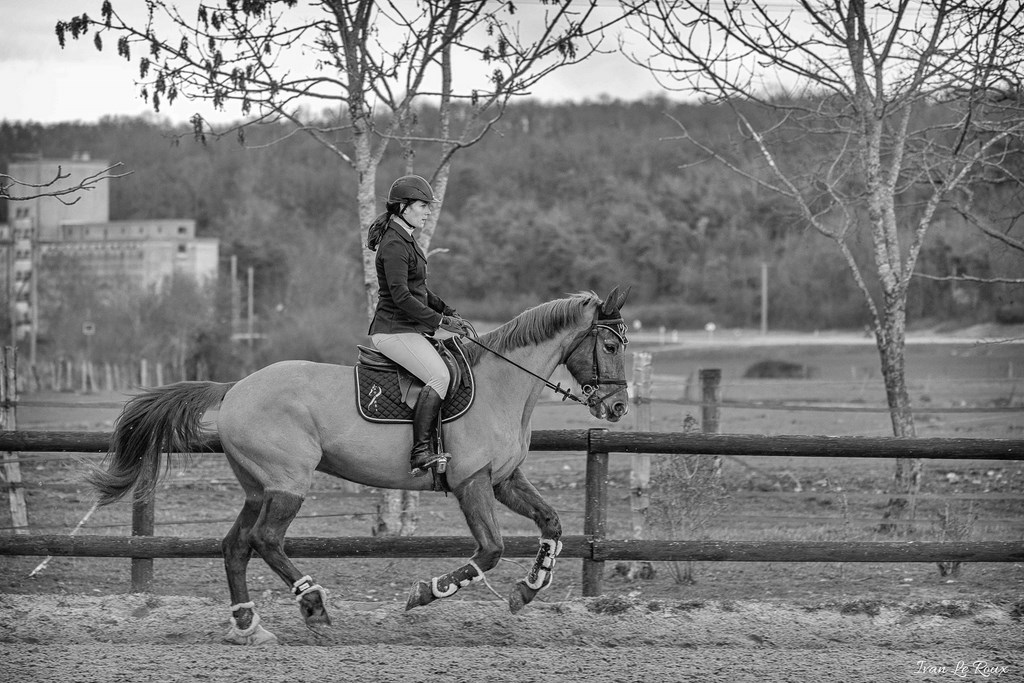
{"x":434,"y":460}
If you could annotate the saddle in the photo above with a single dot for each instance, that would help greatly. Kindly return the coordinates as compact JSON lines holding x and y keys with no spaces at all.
{"x":387,"y":392}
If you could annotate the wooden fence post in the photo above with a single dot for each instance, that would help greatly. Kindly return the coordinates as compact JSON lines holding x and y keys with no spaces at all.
{"x":710,"y":398}
{"x":640,"y":472}
{"x":710,"y":411}
{"x":143,"y":522}
{"x":596,"y":514}
{"x":9,"y":422}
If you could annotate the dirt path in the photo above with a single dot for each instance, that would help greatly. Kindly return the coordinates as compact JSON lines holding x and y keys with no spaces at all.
{"x":169,"y":638}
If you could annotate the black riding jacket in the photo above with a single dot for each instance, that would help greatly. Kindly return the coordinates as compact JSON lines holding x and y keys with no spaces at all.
{"x":404,"y":304}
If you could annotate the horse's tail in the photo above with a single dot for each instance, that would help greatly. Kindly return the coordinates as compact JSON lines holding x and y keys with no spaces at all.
{"x":168,"y":420}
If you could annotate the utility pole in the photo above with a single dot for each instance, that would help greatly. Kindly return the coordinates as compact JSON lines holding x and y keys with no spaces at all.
{"x":764,"y":298}
{"x":33,"y":305}
{"x":249,"y":309}
{"x":12,"y":311}
{"x":235,"y":300}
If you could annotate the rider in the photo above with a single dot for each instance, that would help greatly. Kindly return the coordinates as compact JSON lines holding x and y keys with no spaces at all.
{"x":407,"y":311}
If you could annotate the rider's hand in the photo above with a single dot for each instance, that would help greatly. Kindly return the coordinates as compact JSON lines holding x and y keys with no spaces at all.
{"x":453,"y":324}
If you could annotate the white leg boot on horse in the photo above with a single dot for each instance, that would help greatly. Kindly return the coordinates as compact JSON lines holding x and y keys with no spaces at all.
{"x":253,"y":633}
{"x":245,"y":626}
{"x":520,"y":496}
{"x":476,"y":498}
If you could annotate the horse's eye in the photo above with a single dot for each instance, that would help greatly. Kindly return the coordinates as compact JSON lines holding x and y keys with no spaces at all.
{"x":610,"y":347}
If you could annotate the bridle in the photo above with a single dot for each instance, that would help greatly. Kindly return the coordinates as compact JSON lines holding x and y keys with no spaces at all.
{"x":590,"y":387}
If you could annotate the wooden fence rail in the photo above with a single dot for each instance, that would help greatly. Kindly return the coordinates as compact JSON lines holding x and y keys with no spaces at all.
{"x":593,"y":547}
{"x":935,"y":448}
{"x":579,"y":547}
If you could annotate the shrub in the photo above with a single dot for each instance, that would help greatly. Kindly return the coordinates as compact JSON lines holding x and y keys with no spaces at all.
{"x":686,"y":494}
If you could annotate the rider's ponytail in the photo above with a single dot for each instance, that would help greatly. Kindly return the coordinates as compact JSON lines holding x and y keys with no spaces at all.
{"x":376,"y":232}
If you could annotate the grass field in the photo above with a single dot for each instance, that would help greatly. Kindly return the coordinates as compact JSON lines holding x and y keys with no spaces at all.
{"x":959,"y":390}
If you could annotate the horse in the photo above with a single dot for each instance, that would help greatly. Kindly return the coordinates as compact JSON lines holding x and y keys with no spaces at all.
{"x":285,"y":421}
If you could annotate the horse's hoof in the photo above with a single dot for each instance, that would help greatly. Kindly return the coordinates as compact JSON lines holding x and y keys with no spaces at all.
{"x":258,"y":636}
{"x":314,"y":614}
{"x":419,"y":596}
{"x":520,"y":596}
{"x":315,"y":621}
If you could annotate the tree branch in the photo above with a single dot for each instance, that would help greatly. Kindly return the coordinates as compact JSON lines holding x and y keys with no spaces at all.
{"x":971,"y":278}
{"x":54,"y":188}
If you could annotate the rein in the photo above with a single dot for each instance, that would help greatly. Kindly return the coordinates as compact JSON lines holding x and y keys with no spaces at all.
{"x":557,"y":388}
{"x":590,"y":395}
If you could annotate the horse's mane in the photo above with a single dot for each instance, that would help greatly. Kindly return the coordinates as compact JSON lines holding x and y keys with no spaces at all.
{"x":534,"y":325}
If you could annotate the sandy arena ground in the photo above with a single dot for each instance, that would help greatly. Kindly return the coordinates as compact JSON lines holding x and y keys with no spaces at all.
{"x":73,"y":638}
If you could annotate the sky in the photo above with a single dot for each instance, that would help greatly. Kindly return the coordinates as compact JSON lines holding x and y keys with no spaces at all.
{"x":47,"y":84}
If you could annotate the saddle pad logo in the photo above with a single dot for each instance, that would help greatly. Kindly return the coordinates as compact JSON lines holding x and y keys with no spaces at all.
{"x":375,"y":392}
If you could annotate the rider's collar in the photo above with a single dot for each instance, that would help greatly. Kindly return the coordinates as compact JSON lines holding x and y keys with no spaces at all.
{"x":397,"y":220}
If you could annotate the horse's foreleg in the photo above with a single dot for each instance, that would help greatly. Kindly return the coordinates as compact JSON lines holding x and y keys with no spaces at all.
{"x":279,"y":509}
{"x":245,"y":626}
{"x":520,"y":496}
{"x":476,"y":498}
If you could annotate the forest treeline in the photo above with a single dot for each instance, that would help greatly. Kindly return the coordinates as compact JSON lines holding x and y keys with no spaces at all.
{"x":558,"y":198}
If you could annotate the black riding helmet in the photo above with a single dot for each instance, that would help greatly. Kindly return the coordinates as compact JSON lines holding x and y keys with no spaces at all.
{"x":410,"y":187}
{"x":407,"y":189}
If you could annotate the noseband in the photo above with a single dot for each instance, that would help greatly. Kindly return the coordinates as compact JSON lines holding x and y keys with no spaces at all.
{"x":590,"y":387}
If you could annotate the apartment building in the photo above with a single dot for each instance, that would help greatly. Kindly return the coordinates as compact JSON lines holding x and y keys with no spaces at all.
{"x":140,"y":253}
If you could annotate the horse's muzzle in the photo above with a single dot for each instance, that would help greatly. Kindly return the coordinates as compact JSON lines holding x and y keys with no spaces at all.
{"x":612,"y":412}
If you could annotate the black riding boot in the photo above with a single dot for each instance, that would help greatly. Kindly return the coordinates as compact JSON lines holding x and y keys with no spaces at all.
{"x":424,"y":417}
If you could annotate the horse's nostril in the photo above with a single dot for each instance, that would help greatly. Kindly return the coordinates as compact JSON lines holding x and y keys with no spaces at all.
{"x":620,"y":409}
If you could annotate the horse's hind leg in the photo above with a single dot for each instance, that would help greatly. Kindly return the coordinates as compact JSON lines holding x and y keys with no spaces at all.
{"x":476,"y":498}
{"x":279,"y":509}
{"x":520,"y":496}
{"x":245,"y":623}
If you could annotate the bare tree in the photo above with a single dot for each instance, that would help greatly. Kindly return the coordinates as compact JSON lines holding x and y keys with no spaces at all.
{"x":368,"y":64}
{"x":60,"y":187}
{"x":913,"y":107}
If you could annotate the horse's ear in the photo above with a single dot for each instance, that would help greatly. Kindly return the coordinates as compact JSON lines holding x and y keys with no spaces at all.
{"x":610,"y":306}
{"x":622,"y":298}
